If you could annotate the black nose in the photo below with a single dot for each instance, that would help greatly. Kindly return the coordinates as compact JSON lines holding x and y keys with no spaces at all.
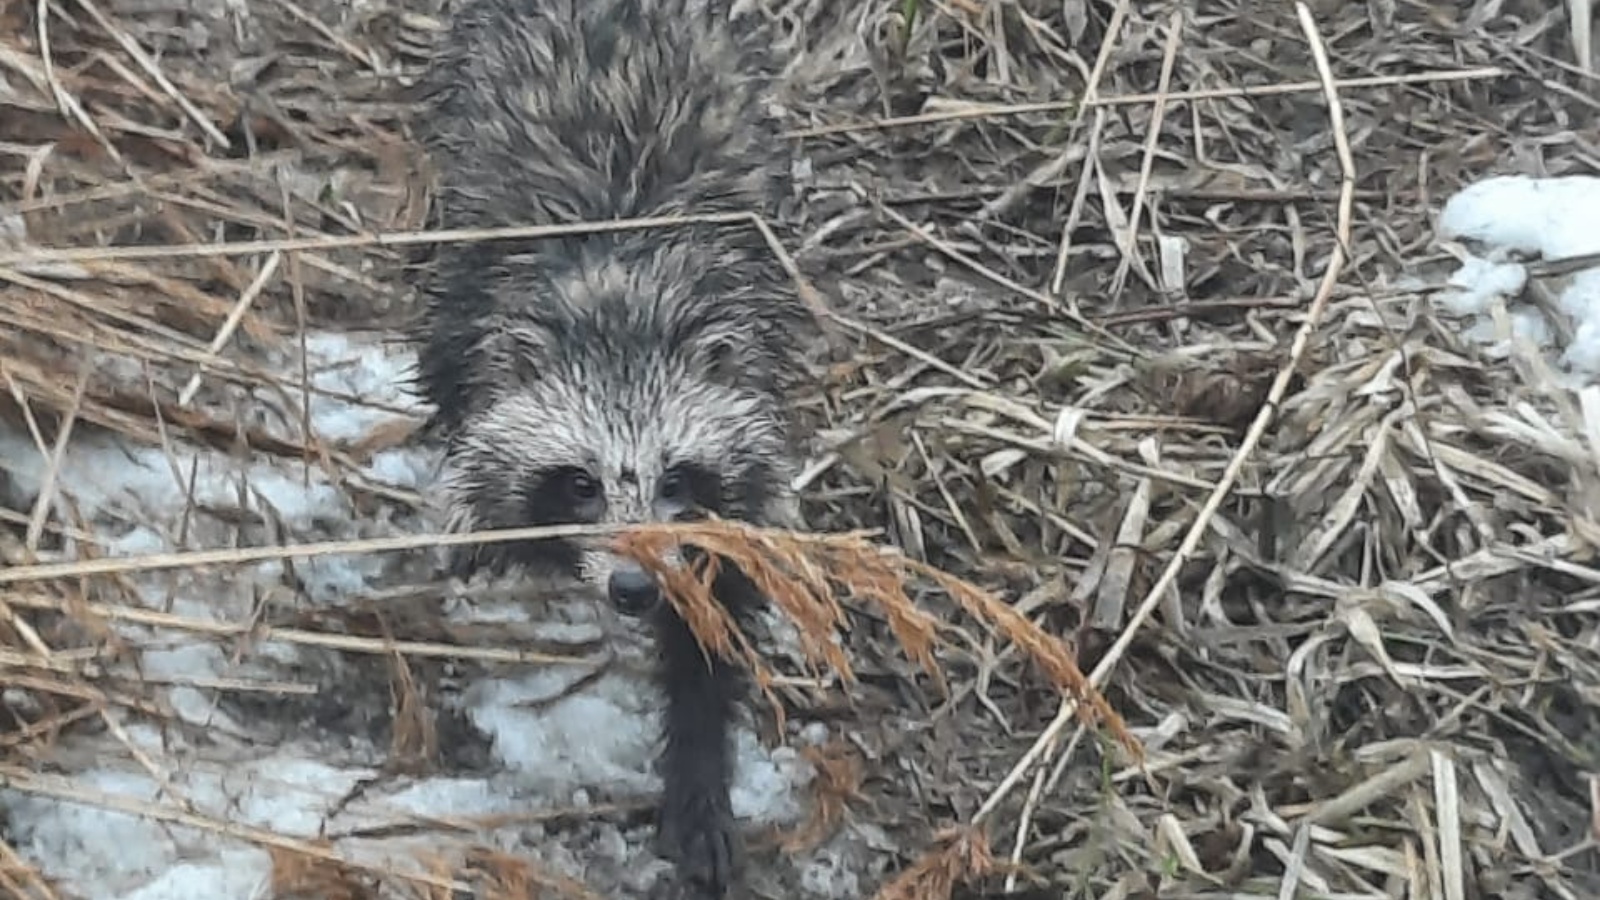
{"x":633,"y":590}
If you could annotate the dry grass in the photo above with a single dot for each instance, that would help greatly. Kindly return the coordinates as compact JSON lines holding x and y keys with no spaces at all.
{"x":959,"y":856}
{"x":803,"y":574}
{"x":1133,"y":384}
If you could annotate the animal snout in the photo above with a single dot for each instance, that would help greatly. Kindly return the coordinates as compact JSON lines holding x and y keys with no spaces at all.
{"x":633,"y":590}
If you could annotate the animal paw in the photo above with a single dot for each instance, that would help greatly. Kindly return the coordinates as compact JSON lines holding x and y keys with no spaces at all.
{"x":698,"y":834}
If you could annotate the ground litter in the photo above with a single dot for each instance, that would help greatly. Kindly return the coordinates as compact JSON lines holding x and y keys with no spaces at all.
{"x":1374,"y":676}
{"x":551,"y":745}
{"x":554,"y":742}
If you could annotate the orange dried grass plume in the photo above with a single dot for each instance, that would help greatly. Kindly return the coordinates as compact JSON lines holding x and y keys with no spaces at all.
{"x":297,"y":875}
{"x":803,"y":574}
{"x":504,"y":877}
{"x":959,"y":856}
{"x":836,"y":784}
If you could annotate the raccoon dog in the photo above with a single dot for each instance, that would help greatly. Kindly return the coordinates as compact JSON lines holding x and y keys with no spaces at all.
{"x":629,"y":376}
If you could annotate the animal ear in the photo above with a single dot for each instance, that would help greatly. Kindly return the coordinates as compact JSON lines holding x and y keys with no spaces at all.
{"x":516,"y":353}
{"x":720,"y":356}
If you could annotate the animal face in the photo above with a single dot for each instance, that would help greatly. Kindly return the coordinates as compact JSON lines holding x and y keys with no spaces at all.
{"x":609,"y":440}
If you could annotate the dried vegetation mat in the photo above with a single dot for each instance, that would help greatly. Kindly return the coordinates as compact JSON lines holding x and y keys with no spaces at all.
{"x":1142,"y":371}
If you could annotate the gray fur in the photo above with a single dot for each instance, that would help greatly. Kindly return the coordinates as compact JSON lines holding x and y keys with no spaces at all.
{"x":655,"y":365}
{"x":587,"y":110}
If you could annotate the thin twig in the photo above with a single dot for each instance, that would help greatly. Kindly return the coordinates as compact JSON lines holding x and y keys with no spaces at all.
{"x":1270,"y":90}
{"x":332,"y":242}
{"x":235,"y":316}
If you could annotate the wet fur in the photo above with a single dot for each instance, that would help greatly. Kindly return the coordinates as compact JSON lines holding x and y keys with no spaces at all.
{"x":656,"y":364}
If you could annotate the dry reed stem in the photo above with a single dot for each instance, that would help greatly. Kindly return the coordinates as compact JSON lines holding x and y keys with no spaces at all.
{"x":42,"y":255}
{"x":413,"y":824}
{"x":261,"y":632}
{"x":21,"y":880}
{"x":978,"y":111}
{"x":195,"y":559}
{"x":225,"y":333}
{"x":1126,"y":243}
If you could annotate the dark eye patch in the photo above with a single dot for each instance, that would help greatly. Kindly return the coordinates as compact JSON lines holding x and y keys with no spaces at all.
{"x":691,"y":486}
{"x":564,"y":494}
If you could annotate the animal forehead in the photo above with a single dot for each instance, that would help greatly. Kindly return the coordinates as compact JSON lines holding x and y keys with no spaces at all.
{"x":632,"y":427}
{"x":623,"y":289}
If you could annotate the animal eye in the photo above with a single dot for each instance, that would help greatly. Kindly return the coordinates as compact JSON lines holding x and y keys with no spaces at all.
{"x":582,"y":487}
{"x":674,"y":487}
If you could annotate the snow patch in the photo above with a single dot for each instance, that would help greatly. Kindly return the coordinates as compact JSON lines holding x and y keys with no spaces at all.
{"x":562,"y":741}
{"x":356,"y":384}
{"x":1516,"y":215}
{"x":245,"y":874}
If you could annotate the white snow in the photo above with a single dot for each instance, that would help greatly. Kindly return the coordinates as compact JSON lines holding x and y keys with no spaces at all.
{"x":1479,"y":281}
{"x":550,"y":749}
{"x":1514,"y":216}
{"x":602,"y":735}
{"x":243,"y":874}
{"x":343,"y":368}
